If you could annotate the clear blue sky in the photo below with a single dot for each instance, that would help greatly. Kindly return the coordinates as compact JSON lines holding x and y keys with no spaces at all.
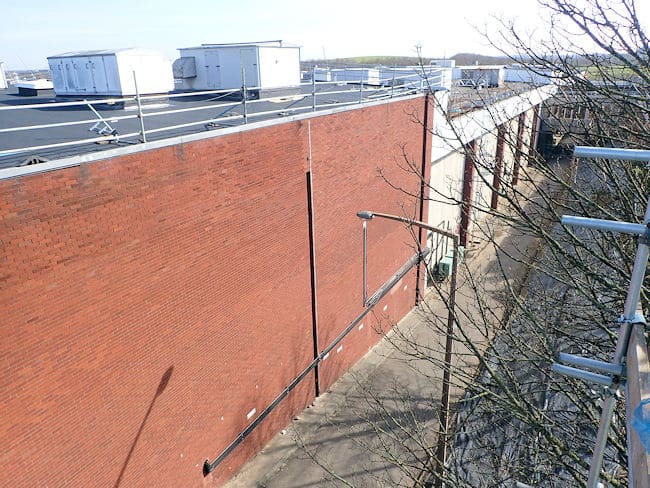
{"x":34,"y":29}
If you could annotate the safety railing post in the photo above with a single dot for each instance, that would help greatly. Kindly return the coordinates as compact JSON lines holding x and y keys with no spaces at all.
{"x":244,"y":94}
{"x":313,"y":88}
{"x":361,"y":87}
{"x":143,"y":134}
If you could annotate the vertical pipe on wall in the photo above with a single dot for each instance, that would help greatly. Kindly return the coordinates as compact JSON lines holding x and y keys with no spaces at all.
{"x":426,"y":155}
{"x":365,"y":262}
{"x":498,"y":166}
{"x":312,"y":265}
{"x":468,"y":193}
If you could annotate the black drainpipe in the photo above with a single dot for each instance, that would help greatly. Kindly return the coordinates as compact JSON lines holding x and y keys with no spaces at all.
{"x":312,"y":273}
{"x":423,"y":183}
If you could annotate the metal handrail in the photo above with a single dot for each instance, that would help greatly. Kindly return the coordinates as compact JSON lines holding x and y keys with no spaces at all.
{"x":409,"y":85}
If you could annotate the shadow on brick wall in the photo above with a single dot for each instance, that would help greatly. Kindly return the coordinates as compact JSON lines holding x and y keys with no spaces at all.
{"x":161,"y":387}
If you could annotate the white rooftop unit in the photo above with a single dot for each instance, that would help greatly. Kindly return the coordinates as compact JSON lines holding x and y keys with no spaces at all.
{"x":433,"y":77}
{"x":536,"y":75}
{"x":30,"y":88}
{"x":264,"y":66}
{"x":110,"y":72}
{"x":3,"y":76}
{"x":479,"y":76}
{"x":444,"y":63}
{"x":367,"y":76}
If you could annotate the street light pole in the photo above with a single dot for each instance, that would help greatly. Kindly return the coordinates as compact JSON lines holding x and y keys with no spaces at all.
{"x":441,"y":450}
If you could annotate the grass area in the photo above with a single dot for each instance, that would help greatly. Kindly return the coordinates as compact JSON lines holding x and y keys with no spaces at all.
{"x":613,"y":72}
{"x":373,"y":61}
{"x":460,"y":58}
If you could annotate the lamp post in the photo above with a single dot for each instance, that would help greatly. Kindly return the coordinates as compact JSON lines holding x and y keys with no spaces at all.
{"x":441,"y":451}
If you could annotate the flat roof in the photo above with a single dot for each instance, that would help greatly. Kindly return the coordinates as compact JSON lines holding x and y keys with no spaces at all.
{"x":98,"y":52}
{"x":463,"y":99}
{"x":216,"y":111}
{"x":166,"y":118}
{"x":245,"y":44}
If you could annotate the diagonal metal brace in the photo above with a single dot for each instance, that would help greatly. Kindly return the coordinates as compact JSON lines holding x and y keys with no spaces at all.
{"x":101,"y":127}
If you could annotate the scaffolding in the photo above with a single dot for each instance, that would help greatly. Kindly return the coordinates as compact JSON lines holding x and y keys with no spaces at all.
{"x":612,"y":374}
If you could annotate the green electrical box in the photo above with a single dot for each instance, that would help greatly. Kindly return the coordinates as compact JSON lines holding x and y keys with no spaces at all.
{"x":442,"y":269}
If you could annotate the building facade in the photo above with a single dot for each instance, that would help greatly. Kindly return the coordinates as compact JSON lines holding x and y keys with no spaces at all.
{"x":156,"y":299}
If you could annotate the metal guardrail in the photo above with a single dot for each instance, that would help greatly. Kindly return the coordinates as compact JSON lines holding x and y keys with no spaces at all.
{"x":239,"y":111}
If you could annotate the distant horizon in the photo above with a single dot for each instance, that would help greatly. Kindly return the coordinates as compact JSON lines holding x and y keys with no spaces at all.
{"x":477,"y":54}
{"x":34,"y":30}
{"x":302,"y":59}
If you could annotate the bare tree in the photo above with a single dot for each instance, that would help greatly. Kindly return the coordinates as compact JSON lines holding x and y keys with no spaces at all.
{"x":515,"y":421}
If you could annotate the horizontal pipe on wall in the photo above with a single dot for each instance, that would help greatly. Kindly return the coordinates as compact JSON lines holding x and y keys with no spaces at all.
{"x":208,"y":466}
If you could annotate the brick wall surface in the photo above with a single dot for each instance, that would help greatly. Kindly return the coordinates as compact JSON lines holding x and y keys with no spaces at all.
{"x":363,"y":161}
{"x":151,"y":301}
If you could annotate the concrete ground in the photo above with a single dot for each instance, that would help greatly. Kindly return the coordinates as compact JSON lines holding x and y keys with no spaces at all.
{"x":374,"y":426}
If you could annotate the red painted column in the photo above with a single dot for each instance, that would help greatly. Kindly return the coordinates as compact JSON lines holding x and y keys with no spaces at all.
{"x":498,"y":166}
{"x":518,"y":151}
{"x":468,"y":192}
{"x":537,"y":119}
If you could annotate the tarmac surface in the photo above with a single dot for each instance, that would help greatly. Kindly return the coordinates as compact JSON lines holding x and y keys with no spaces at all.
{"x":51,"y":131}
{"x":377,"y":422}
{"x":39,"y":128}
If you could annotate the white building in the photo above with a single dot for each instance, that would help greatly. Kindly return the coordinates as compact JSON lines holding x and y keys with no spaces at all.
{"x":528,"y":74}
{"x":479,"y":76}
{"x":110,"y":73}
{"x":261,"y":66}
{"x":482,"y":132}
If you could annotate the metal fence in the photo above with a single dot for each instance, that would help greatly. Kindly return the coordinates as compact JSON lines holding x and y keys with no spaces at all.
{"x":160,"y":116}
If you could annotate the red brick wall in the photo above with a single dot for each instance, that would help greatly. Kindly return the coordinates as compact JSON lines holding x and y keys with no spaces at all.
{"x":150,"y":301}
{"x":364,"y":160}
